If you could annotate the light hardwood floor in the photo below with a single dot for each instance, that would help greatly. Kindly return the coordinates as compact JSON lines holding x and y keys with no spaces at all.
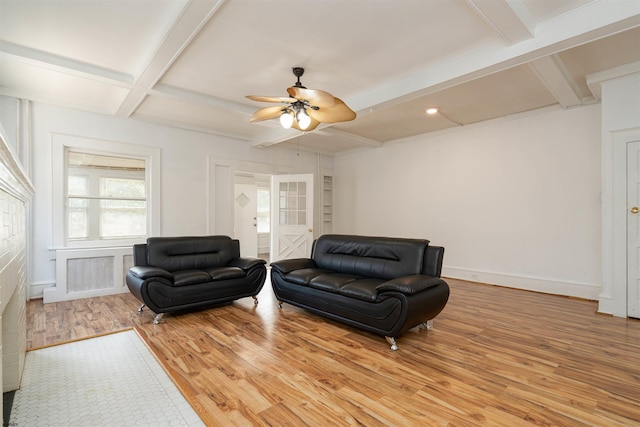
{"x":496,"y":357}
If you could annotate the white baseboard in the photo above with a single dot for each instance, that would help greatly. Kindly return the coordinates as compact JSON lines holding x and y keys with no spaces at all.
{"x":35,"y":290}
{"x":54,"y":294}
{"x":588,"y":291}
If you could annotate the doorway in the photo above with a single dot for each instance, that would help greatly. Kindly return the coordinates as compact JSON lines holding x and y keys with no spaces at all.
{"x":252,"y":214}
{"x":633,"y":229}
{"x":620,"y":223}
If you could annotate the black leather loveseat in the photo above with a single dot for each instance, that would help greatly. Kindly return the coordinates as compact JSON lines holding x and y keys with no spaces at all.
{"x":382,"y":285}
{"x":179,"y":273}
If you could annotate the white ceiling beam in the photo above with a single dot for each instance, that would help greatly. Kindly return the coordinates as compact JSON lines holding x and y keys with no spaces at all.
{"x":38,"y":97}
{"x":182,"y":125}
{"x":69,"y":66}
{"x":194,"y":16}
{"x":595,"y":80}
{"x":551,"y":72}
{"x":509,"y":18}
{"x":349,"y":137}
{"x":167,"y":91}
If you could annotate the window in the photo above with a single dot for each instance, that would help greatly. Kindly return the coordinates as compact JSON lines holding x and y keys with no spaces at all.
{"x":106,"y":197}
{"x":264,"y":210}
{"x":105,"y":193}
{"x":293,"y":203}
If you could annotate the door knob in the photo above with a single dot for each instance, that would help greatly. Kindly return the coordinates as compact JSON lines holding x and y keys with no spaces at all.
{"x":635,"y":210}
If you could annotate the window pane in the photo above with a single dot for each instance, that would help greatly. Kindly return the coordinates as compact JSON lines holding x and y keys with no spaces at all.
{"x":264,"y":224}
{"x":78,"y":224}
{"x":116,"y":187}
{"x":264,"y":211}
{"x":122,"y":218}
{"x":264,"y":202}
{"x":292,"y":202}
{"x":77,"y":185}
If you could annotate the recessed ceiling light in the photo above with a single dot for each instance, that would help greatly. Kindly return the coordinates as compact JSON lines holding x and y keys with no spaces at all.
{"x":432,"y":110}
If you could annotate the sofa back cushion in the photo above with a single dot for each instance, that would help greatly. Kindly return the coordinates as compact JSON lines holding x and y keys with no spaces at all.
{"x":377,"y":257}
{"x":191,"y":253}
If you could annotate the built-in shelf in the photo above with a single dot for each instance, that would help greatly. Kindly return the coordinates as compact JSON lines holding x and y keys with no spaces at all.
{"x":327,"y":204}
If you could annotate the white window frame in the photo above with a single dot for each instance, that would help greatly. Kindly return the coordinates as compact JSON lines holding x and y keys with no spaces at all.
{"x":60,"y":145}
{"x":94,"y":178}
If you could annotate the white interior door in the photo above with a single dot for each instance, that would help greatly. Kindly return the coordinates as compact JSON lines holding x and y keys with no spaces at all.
{"x":245,"y":218}
{"x":291,"y":216}
{"x":633,"y":229}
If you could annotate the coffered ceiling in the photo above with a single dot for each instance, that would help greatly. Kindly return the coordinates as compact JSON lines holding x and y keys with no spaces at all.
{"x":190,"y":63}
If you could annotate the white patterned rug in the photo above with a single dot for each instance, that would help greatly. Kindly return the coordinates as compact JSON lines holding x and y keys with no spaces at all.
{"x":110,"y":380}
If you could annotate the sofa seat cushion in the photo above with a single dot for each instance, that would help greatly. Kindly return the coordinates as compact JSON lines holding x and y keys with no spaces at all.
{"x":304,"y":275}
{"x":362,"y":288}
{"x":331,"y":282}
{"x":190,"y":277}
{"x":225,"y":273}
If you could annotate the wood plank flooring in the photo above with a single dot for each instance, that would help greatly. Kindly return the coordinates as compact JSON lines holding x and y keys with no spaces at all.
{"x":496,"y":357}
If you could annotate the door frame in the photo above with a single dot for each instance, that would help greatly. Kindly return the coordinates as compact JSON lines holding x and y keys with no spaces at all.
{"x":613,"y":298}
{"x":633,"y":179}
{"x":220,"y":181}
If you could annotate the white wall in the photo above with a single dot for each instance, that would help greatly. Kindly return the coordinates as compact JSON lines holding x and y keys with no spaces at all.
{"x":515,"y":201}
{"x":185,"y":158}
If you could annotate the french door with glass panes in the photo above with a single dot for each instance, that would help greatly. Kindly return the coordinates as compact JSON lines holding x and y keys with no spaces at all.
{"x":292,"y":216}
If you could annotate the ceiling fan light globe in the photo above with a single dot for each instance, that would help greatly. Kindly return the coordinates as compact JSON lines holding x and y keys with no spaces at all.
{"x":303,"y":119}
{"x":286,"y":120}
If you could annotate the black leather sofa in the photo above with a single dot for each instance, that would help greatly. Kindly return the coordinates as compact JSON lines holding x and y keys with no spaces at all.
{"x":180,"y":273}
{"x":382,"y":285}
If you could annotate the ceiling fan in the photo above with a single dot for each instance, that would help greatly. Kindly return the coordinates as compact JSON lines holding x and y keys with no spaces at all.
{"x":304,"y":109}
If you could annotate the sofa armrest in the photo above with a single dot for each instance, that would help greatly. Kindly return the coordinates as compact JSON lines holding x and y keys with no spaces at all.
{"x":145,"y":272}
{"x":409,"y":284}
{"x":286,"y":266}
{"x":246,"y":263}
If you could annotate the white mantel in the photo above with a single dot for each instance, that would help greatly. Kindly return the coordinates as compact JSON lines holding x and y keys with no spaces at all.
{"x":16,"y":192}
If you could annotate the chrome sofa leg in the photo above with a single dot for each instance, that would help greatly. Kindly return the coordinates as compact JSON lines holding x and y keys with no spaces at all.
{"x":428,"y":325}
{"x":392,"y":341}
{"x":280,"y":304}
{"x":255,"y":299}
{"x":140,"y":308}
{"x":156,"y":319}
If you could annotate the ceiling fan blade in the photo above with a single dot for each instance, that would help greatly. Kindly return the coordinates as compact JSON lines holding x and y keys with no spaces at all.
{"x":266,"y":113}
{"x":340,"y":113}
{"x":318,"y":98}
{"x":314,"y":124}
{"x":271,"y":99}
